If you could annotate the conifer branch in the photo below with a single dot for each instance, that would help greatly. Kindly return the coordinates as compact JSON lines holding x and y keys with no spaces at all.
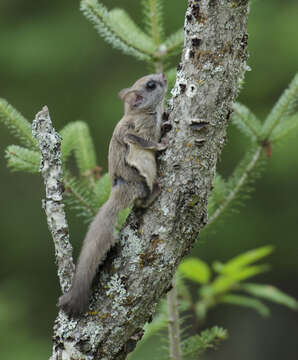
{"x":79,"y":197}
{"x":242,"y":176}
{"x":174,"y":43}
{"x":152,"y":10}
{"x":285,"y":106}
{"x":22,"y":159}
{"x":288,"y":128}
{"x":17,"y":124}
{"x":117,"y":28}
{"x":76,"y":138}
{"x":246,"y":121}
{"x":198,"y":344}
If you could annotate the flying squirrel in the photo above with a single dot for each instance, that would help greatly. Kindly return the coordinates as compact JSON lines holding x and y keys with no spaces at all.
{"x":132,"y":171}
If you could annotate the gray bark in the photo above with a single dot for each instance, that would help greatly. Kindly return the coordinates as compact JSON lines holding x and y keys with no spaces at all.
{"x":138,"y":271}
{"x":51,"y":168}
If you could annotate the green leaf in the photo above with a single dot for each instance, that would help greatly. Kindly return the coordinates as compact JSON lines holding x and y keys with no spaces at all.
{"x":22,"y":159}
{"x":174,"y":43}
{"x":102,"y":189}
{"x":246,"y":121}
{"x":246,"y":258}
{"x":287,"y":128}
{"x":152,"y":12}
{"x":76,"y":137}
{"x":117,"y":28}
{"x":285,"y":106}
{"x":198,"y":344}
{"x":246,"y":301}
{"x":227,"y":281}
{"x":195,"y":270}
{"x":271,"y":293}
{"x":17,"y":124}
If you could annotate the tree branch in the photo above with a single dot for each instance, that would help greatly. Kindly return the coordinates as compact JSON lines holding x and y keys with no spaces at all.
{"x":138,"y":271}
{"x":50,"y":143}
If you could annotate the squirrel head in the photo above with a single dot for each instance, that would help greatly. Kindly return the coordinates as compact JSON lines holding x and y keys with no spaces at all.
{"x":146,"y":94}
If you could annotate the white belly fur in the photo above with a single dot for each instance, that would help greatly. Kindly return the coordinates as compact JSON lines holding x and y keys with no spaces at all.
{"x":144,"y":161}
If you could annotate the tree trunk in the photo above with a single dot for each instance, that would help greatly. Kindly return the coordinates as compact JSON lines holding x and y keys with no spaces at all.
{"x":139,"y":270}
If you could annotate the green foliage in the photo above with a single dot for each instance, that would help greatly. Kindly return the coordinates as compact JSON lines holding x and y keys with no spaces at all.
{"x":79,"y":197}
{"x":102,"y":189}
{"x":239,"y":262}
{"x":17,"y":124}
{"x":285,"y":129}
{"x":285,"y":107}
{"x":22,"y":159}
{"x":230,"y":277}
{"x":219,"y":193}
{"x":85,"y":197}
{"x":110,"y":26}
{"x":246,"y":121}
{"x":282,"y":121}
{"x":76,"y":138}
{"x":174,"y":42}
{"x":121,"y":218}
{"x":118,"y":29}
{"x":227,"y":282}
{"x":228,"y":195}
{"x":152,"y":12}
{"x":271,"y":293}
{"x":196,"y":270}
{"x":159,"y":322}
{"x":246,"y":301}
{"x":198,"y":344}
{"x":221,"y":287}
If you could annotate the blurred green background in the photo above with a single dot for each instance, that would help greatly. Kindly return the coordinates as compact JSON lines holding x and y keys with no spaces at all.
{"x":50,"y":54}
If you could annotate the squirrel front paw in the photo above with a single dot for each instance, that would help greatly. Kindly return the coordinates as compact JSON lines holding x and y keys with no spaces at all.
{"x":163,"y":145}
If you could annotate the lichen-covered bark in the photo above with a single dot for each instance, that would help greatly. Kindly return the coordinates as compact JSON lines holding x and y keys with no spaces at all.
{"x":139,"y":269}
{"x":51,"y":168}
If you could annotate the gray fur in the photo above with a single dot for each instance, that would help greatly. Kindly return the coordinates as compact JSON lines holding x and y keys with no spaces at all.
{"x":132,"y":170}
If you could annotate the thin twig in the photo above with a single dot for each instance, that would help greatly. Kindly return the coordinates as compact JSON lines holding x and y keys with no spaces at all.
{"x":51,"y":168}
{"x":174,"y":326}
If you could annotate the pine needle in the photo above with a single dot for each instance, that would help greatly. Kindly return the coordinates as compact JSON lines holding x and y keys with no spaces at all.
{"x":22,"y":159}
{"x":117,"y":28}
{"x":17,"y":124}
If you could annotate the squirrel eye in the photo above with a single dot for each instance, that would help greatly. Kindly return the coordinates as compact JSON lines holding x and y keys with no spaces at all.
{"x":151,"y":85}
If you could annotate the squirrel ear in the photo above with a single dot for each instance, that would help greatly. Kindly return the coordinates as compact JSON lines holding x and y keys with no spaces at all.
{"x":132,"y":97}
{"x":123,"y":93}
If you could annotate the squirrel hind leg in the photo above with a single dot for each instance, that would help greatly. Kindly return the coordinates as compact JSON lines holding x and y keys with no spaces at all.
{"x":73,"y":306}
{"x":147,"y":201}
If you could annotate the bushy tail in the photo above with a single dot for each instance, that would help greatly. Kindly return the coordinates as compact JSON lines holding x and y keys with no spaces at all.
{"x":97,"y":242}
